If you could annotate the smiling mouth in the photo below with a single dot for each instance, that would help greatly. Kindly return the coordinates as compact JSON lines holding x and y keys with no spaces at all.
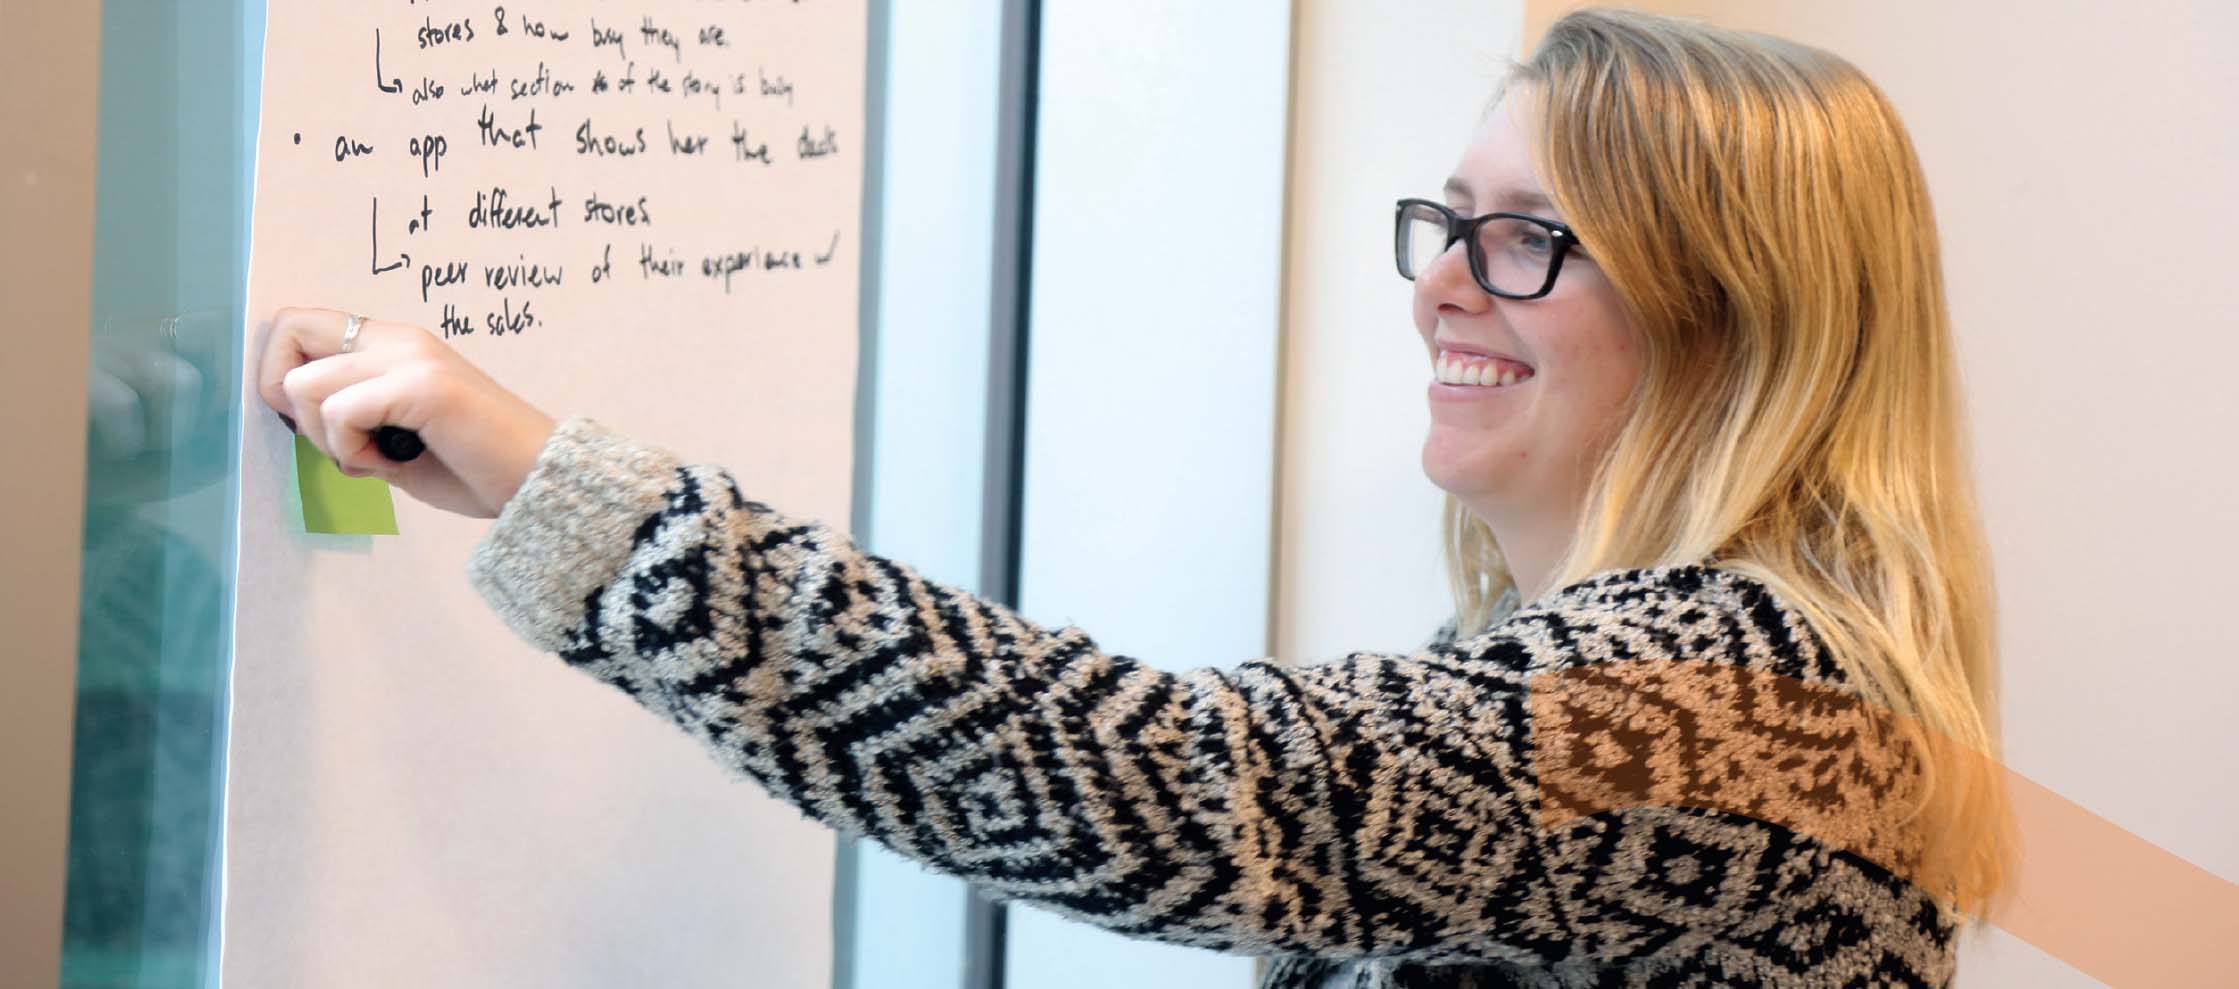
{"x":1478,"y":370}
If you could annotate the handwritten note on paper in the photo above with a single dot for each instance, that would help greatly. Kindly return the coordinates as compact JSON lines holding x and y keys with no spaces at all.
{"x":507,"y":165}
{"x":646,"y":211}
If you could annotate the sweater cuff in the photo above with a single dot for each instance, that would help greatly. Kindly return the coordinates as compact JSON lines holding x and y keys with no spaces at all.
{"x":569,"y":529}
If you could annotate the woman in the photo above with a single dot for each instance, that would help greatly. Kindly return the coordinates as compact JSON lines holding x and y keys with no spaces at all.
{"x":1695,"y":408}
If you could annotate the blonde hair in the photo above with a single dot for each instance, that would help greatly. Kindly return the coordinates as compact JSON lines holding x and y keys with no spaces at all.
{"x":1759,"y":208}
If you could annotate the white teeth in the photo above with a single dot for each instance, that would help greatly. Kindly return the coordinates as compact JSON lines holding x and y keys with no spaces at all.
{"x":1451,"y":371}
{"x":1454,"y":371}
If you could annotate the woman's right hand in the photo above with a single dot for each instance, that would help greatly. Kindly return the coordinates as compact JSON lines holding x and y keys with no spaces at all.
{"x":482,"y":440}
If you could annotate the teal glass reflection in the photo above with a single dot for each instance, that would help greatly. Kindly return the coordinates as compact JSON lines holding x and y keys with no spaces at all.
{"x":176,"y":129}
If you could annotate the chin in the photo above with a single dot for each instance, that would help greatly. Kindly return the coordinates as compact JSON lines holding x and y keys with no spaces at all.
{"x":1464,"y":474}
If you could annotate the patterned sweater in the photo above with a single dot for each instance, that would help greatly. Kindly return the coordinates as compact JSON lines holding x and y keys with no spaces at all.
{"x":1366,"y":822}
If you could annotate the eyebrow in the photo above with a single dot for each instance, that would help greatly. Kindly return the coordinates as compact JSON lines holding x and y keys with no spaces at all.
{"x":1521,"y":199}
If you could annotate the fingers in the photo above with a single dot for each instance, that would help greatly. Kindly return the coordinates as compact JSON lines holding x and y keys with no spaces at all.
{"x":348,"y":417}
{"x":306,"y":388}
{"x":302,"y":335}
{"x":294,"y":336}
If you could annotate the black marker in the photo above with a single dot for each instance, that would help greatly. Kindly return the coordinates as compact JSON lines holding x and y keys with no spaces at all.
{"x":396,"y":443}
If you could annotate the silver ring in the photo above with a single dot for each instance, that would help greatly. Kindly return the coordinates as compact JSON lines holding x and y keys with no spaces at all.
{"x":350,"y":332}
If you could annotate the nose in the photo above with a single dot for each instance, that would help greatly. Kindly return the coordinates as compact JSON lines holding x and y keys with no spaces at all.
{"x":1448,"y":286}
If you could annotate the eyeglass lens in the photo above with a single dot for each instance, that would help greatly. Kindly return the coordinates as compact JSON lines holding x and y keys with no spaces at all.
{"x":1515,"y":253}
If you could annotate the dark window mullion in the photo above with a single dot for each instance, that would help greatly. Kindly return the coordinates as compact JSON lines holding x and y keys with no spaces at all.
{"x":984,"y":919}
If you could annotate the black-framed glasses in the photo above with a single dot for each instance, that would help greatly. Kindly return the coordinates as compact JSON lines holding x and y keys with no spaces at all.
{"x":1512,"y":255}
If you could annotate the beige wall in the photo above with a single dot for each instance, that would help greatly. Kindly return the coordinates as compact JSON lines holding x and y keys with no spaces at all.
{"x":1381,"y":109}
{"x":48,"y":71}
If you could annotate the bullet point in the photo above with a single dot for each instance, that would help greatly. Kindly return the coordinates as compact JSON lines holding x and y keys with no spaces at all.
{"x":299,"y":137}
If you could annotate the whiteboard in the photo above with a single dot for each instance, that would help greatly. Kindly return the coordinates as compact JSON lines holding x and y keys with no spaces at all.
{"x":645,"y":212}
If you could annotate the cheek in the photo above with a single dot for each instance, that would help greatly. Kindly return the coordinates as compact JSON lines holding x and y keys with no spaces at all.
{"x":1609,"y":365}
{"x":1600,"y":360}
{"x":1614,"y":372}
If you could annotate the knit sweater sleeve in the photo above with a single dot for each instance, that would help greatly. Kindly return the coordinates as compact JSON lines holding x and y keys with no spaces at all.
{"x":1380,"y":805}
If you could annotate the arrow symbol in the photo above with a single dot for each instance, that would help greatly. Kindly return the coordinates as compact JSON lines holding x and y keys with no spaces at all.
{"x":378,"y":267}
{"x":393,"y":85}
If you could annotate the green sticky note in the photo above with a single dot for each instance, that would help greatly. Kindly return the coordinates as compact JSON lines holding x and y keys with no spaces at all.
{"x":335,"y":502}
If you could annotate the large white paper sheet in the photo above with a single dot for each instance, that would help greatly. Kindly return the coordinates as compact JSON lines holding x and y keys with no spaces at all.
{"x":644,"y":211}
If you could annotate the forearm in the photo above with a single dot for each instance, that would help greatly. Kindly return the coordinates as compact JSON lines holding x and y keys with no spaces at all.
{"x":938,"y":723}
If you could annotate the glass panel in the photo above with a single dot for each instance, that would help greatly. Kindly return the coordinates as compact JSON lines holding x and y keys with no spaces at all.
{"x":178,"y":92}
